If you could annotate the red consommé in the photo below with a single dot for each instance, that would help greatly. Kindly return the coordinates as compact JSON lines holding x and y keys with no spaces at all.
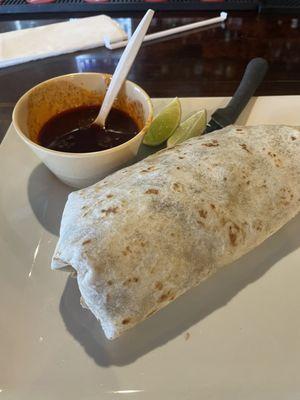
{"x":73,"y":130}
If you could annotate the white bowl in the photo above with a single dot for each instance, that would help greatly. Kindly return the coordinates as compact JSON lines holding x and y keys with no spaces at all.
{"x":51,"y":97}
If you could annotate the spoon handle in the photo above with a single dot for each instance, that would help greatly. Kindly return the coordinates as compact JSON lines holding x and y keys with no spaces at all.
{"x":123,"y":67}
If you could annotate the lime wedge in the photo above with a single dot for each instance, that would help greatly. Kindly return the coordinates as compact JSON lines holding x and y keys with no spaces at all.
{"x":192,"y":126}
{"x":164,"y":124}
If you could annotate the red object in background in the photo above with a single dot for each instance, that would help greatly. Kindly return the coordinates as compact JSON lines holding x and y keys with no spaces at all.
{"x":96,"y":1}
{"x":39,"y":1}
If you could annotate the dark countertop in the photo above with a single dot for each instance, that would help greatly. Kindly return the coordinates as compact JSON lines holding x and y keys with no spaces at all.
{"x":206,"y":62}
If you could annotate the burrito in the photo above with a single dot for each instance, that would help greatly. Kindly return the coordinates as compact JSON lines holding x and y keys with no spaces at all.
{"x":148,"y":233}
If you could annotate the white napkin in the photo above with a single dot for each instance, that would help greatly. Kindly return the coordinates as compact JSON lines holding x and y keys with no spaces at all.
{"x":51,"y":40}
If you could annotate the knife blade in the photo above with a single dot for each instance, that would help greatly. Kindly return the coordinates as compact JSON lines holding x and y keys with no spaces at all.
{"x":252,"y":78}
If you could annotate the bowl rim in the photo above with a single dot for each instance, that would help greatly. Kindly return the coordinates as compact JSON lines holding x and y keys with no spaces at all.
{"x":86,"y":154}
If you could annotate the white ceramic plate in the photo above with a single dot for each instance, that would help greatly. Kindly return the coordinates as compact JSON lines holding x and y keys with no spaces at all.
{"x":236,"y":336}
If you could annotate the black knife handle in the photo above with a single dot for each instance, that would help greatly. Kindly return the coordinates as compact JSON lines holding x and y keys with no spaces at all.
{"x":253,"y":76}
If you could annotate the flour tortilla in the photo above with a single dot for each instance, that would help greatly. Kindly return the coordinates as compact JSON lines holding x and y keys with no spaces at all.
{"x":145,"y":235}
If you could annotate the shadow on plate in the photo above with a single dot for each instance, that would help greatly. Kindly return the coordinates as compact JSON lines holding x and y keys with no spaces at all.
{"x":180,"y":315}
{"x":47,"y":196}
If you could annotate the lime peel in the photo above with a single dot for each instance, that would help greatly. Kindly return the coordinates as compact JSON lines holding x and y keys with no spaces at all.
{"x":164,"y":124}
{"x":193,"y":126}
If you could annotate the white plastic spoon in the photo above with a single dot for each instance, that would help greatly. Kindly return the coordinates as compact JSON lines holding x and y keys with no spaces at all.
{"x":123,"y":67}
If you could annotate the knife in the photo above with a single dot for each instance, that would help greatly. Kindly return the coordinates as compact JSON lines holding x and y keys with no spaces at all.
{"x":252,"y":78}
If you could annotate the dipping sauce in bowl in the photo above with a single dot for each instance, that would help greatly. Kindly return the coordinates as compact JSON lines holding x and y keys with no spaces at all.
{"x":48,"y":116}
{"x":73,"y":130}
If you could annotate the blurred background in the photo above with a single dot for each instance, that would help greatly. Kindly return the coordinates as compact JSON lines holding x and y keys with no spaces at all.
{"x":203,"y":62}
{"x":62,"y":6}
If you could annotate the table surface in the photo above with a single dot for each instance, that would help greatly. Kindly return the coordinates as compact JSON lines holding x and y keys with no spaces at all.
{"x":205,"y":62}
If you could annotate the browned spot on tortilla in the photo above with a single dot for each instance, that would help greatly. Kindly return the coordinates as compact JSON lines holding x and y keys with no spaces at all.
{"x":244,"y":147}
{"x":108,"y":296}
{"x":214,"y":143}
{"x":145,"y":171}
{"x":213,"y":206}
{"x":177,"y":187}
{"x":109,"y":196}
{"x":293,"y":138}
{"x":258,"y":225}
{"x":86,"y":241}
{"x":233,"y":234}
{"x":127,"y":251}
{"x":248,"y":182}
{"x":151,"y":168}
{"x":200,"y":223}
{"x":225,"y":179}
{"x":109,"y":283}
{"x":126,"y":321}
{"x":83,"y":207}
{"x":177,"y":167}
{"x":152,"y":270}
{"x":166,"y":296}
{"x":172,"y":234}
{"x":239,"y":130}
{"x":130,"y":280}
{"x":181,"y":157}
{"x":152,"y":191}
{"x":286,"y":196}
{"x":176,"y":275}
{"x":187,"y":336}
{"x":158,"y":285}
{"x":163,"y":297}
{"x":110,"y":210}
{"x":143,"y":244}
{"x":203,"y":213}
{"x":127,"y":282}
{"x":232,"y":237}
